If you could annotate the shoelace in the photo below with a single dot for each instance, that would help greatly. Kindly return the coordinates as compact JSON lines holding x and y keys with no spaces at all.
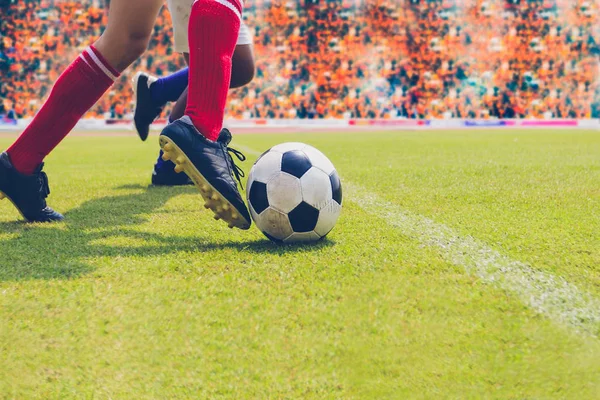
{"x":238,"y":173}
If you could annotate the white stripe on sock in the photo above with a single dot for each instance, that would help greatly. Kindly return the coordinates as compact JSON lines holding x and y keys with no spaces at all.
{"x":84,"y":60}
{"x":231,"y":7}
{"x":99,"y":63}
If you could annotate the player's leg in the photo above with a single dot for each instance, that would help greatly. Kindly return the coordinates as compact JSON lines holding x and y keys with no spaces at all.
{"x":243,"y":62}
{"x":191,"y":142}
{"x":80,"y":86}
{"x":128,"y":32}
{"x":157,"y":93}
{"x":152,"y":93}
{"x":213,"y":34}
{"x":242,"y":73}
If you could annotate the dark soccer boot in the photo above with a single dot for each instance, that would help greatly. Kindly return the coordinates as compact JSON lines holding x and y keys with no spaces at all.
{"x":27,"y":192}
{"x":164,"y":171}
{"x":210,"y":166}
{"x":164,"y":174}
{"x":146,"y":111}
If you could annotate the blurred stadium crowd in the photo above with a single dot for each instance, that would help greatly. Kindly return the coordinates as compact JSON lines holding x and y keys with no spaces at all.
{"x":346,"y":58}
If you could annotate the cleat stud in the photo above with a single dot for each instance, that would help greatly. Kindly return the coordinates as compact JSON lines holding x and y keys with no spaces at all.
{"x":215,"y":197}
{"x":226,"y":207}
{"x":2,"y":196}
{"x":205,"y":188}
{"x":231,"y":226}
{"x":178,"y":168}
{"x":216,"y":217}
{"x":168,"y":147}
{"x":235,"y":215}
{"x":166,"y":157}
{"x":219,"y":209}
{"x":180,"y":160}
{"x":206,"y":205}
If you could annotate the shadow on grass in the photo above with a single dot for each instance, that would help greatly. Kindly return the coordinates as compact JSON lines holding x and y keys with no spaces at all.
{"x":55,"y":251}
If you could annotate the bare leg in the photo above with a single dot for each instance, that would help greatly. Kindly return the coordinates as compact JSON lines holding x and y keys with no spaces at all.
{"x":128,"y":32}
{"x":77,"y":89}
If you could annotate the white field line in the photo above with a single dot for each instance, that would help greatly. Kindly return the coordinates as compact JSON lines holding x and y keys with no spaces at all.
{"x":545,"y":293}
{"x":548,"y":295}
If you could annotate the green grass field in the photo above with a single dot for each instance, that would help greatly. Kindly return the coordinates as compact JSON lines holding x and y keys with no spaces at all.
{"x":139,"y":294}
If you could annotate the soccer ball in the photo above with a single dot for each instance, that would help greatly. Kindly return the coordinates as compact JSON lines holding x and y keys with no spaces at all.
{"x":294,"y":193}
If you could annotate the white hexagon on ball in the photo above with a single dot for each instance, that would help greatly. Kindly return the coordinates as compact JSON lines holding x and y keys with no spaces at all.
{"x":266,"y":167}
{"x":284,"y":192}
{"x":299,"y":237}
{"x":316,"y":188}
{"x":328,"y":217}
{"x":274,"y":223}
{"x":318,"y":159}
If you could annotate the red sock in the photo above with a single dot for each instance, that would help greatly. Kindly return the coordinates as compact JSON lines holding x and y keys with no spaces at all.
{"x":74,"y":93}
{"x":213,"y":33}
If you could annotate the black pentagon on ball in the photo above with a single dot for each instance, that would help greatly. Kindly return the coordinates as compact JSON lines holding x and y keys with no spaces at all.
{"x":336,"y":187}
{"x":304,"y":218}
{"x":295,"y":163}
{"x":258,"y":197}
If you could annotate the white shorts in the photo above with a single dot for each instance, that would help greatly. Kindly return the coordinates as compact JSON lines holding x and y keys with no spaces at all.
{"x":180,"y":14}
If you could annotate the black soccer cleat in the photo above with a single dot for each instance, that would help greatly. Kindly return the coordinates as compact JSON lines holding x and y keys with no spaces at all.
{"x":164,"y":174}
{"x":28,"y":193}
{"x":210,"y":166}
{"x":146,"y":111}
